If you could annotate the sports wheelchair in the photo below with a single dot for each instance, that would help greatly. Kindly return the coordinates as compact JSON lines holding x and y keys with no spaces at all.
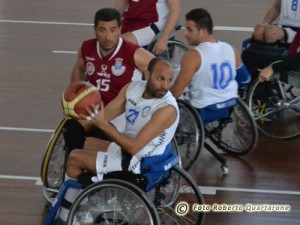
{"x":236,"y":134}
{"x":117,"y":201}
{"x":52,"y":169}
{"x":276,"y":106}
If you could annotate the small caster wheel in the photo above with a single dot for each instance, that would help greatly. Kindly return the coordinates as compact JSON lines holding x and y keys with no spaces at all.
{"x":225,"y":169}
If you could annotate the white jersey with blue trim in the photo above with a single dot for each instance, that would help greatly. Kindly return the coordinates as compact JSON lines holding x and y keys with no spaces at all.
{"x":290,"y":13}
{"x":138,"y":112}
{"x":214,"y":81}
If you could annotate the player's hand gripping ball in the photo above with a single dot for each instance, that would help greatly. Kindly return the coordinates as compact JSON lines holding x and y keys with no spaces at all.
{"x":78,"y":97}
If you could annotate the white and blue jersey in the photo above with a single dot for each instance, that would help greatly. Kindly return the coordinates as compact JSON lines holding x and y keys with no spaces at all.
{"x":290,"y":13}
{"x":138,"y":112}
{"x":214,"y":81}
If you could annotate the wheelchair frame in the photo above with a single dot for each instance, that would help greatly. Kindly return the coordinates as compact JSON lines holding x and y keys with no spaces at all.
{"x":156,"y":197}
{"x":158,"y":200}
{"x":117,"y":198}
{"x":222,"y":133}
{"x":52,"y":168}
{"x":267,"y":112}
{"x":275,"y":106}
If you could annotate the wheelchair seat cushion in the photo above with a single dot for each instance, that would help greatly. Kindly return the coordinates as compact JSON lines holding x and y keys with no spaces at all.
{"x":157,"y":168}
{"x":136,"y":179}
{"x":216,"y":111}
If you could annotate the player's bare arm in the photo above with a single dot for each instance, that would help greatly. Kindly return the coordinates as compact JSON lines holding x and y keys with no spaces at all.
{"x":187,"y":71}
{"x":238,"y":58}
{"x":117,"y":106}
{"x":142,"y":58}
{"x":273,"y":12}
{"x":174,"y":13}
{"x":78,"y":69}
{"x":161,"y":120}
{"x":111,"y":111}
{"x":121,"y":5}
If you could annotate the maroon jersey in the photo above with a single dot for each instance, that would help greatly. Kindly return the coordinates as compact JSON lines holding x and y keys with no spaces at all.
{"x":110,"y":73}
{"x":295,"y":45}
{"x":142,"y":13}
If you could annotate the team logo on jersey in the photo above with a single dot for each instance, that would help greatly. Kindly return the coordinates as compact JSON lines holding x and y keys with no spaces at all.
{"x":87,"y":58}
{"x":90,"y":68}
{"x":103,"y":72}
{"x":118,"y":69}
{"x":132,"y":102}
{"x":146,"y":111}
{"x":103,"y":68}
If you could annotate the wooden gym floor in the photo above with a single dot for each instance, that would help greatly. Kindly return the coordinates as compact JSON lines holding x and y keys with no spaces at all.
{"x":38,"y":39}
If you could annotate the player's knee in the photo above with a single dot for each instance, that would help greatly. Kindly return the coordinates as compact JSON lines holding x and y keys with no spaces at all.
{"x":73,"y":163}
{"x":273,"y":34}
{"x":258,"y":33}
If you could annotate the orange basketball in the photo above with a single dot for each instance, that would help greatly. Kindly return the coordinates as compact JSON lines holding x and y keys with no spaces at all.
{"x":79,"y":96}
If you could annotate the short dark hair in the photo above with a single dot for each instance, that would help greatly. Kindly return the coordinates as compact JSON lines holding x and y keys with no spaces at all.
{"x":202,"y":18}
{"x":154,"y":61}
{"x":107,"y":14}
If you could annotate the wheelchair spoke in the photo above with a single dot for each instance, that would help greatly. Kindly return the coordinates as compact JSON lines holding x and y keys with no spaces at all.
{"x":179,"y":188}
{"x":276,"y":107}
{"x":113,"y":202}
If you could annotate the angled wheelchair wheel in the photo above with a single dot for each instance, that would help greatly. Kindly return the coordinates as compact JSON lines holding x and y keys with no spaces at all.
{"x":240,"y":135}
{"x":52,"y":170}
{"x":175,"y":149}
{"x":276,"y":106}
{"x":178,"y":190}
{"x":189,"y":134}
{"x":174,"y":52}
{"x":113,"y":202}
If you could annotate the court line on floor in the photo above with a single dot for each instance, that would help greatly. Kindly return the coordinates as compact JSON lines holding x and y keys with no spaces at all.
{"x":63,"y":52}
{"x":22,"y":129}
{"x":45,"y":22}
{"x":213,"y":190}
{"x":206,"y":190}
{"x":218,"y":28}
{"x":37,"y":180}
